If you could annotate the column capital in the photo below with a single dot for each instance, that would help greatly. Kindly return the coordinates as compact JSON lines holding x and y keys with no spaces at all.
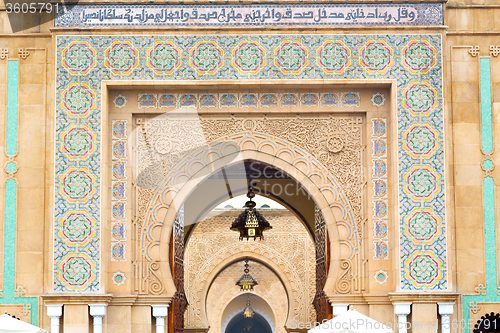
{"x":97,"y":310}
{"x":160,"y":310}
{"x":338,"y":309}
{"x":54,"y":310}
{"x":445,"y":308}
{"x":402,"y":308}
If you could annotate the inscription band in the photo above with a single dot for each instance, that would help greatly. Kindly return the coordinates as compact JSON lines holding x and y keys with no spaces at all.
{"x":251,"y":15}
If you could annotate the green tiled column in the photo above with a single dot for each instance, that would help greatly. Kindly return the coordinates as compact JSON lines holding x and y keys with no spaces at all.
{"x":488,"y":293}
{"x":12,"y":295}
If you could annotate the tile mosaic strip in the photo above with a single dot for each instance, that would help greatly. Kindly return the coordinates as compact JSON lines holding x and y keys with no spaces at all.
{"x":12,"y":108}
{"x":414,"y":61}
{"x":250,"y":15}
{"x":491,"y":292}
{"x":11,"y":294}
{"x":486,"y":120}
{"x":379,"y":188}
{"x":118,"y":190}
{"x":250,"y":100}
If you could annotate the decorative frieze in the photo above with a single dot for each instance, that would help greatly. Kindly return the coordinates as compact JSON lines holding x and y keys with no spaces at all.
{"x":381,"y":276}
{"x":120,"y":101}
{"x":4,"y":53}
{"x":379,"y":189}
{"x":23,"y":53}
{"x":250,"y":15}
{"x":119,"y":278}
{"x":494,"y":50}
{"x":118,"y":190}
{"x":250,"y":100}
{"x":474,"y":50}
{"x":378,"y":99}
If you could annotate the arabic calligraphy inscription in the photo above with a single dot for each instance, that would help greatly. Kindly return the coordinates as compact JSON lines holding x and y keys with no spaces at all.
{"x":251,"y":15}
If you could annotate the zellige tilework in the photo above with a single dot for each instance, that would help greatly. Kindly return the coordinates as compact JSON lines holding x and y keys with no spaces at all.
{"x":414,"y":61}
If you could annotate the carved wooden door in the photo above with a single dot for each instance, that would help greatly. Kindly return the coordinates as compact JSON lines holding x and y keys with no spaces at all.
{"x":321,"y":303}
{"x":179,"y":301}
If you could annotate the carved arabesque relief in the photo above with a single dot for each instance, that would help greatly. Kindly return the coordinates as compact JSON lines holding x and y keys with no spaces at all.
{"x":146,"y":279}
{"x":288,"y":244}
{"x":328,"y":148}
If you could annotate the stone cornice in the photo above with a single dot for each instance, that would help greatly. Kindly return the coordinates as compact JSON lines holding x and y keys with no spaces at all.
{"x":153,"y":300}
{"x":423,"y":297}
{"x":123,"y":300}
{"x":359,"y":299}
{"x":106,"y":299}
{"x":397,"y":297}
{"x":76,"y":298}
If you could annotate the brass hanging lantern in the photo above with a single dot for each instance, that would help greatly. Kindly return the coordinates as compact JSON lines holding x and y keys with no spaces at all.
{"x":248,"y":313}
{"x":246,"y":281}
{"x":250,"y":224}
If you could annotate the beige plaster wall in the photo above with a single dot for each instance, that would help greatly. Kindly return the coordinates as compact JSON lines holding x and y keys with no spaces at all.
{"x":141,"y":319}
{"x":472,"y":31}
{"x":76,"y":318}
{"x":120,"y":318}
{"x":461,"y":3}
{"x":474,"y":20}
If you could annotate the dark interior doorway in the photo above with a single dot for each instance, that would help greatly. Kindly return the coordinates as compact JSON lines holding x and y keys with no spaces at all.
{"x":256,"y":324}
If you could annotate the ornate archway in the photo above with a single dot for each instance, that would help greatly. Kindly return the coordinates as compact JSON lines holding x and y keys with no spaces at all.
{"x":301,"y":166}
{"x":270,"y":298}
{"x":90,"y":79}
{"x":283,"y":263}
{"x":274,"y":261}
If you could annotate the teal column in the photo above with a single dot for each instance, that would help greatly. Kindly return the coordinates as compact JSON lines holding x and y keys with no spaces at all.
{"x":488,"y":293}
{"x":10,"y":294}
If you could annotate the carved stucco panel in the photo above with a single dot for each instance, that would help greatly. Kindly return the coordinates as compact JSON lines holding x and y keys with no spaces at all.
{"x":336,"y":142}
{"x":327,"y":148}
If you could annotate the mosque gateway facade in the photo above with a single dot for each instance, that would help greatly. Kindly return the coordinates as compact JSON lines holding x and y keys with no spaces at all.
{"x":251,"y":166}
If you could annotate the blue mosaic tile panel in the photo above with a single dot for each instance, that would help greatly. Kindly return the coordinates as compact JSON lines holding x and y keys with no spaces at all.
{"x":118,"y":191}
{"x":379,"y":189}
{"x":414,"y":61}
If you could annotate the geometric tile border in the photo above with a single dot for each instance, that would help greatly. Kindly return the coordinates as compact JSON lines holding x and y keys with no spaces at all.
{"x":118,"y":190}
{"x":414,"y":61}
{"x":379,"y":188}
{"x":248,"y":100}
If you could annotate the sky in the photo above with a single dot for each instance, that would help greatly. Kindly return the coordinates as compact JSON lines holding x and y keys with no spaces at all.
{"x":239,"y":202}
